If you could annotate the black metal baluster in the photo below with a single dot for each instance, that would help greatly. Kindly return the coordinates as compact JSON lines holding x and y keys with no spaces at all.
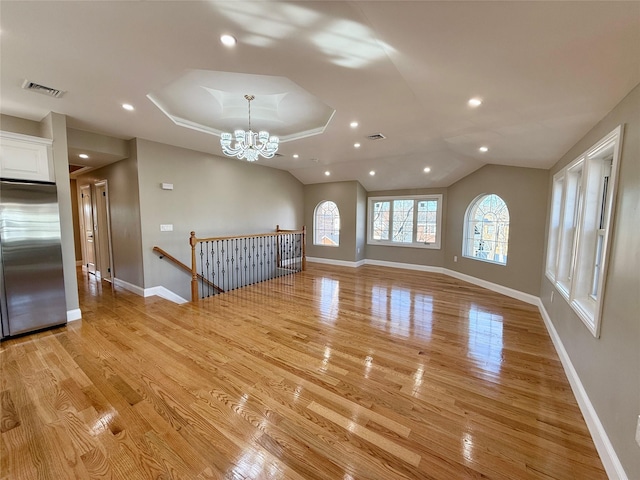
{"x":207,"y":269}
{"x":288,"y":255}
{"x":244,"y":248}
{"x":259,"y":279}
{"x":234,"y":263}
{"x":237,"y":264}
{"x":268,"y":255}
{"x":230,"y":264}
{"x":299,"y":249}
{"x":255,"y":261}
{"x":218,"y":262}
{"x":201,"y":268}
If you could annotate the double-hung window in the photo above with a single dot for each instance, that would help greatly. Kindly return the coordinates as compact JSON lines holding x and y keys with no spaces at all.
{"x":582,"y":201}
{"x":407,"y":221}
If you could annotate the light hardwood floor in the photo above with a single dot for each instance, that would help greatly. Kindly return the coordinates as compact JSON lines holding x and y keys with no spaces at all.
{"x":333,"y":373}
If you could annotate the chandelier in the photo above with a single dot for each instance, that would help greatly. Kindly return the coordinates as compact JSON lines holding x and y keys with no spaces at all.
{"x":249,"y":145}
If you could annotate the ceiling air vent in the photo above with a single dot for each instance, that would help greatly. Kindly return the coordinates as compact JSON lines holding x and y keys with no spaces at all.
{"x":35,"y":87}
{"x":376,"y":136}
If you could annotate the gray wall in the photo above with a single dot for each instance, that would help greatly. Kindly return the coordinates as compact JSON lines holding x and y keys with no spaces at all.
{"x":108,"y":147}
{"x":345,"y":196}
{"x":361,"y":223}
{"x":211,"y":195}
{"x":124,"y":209}
{"x":75,"y":213}
{"x":417,"y":256}
{"x":609,"y":367}
{"x":20,"y":125}
{"x":524,"y":190}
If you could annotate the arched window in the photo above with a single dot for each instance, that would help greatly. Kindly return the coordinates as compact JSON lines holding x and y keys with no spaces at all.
{"x":486,"y":235}
{"x":326,"y":224}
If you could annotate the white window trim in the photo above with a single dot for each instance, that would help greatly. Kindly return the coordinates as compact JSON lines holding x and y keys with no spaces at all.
{"x":435,"y":245}
{"x":465,"y":244}
{"x":587,"y":307}
{"x":315,"y":211}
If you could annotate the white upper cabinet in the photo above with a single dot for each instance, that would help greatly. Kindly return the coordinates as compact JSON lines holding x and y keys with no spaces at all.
{"x":23,"y":157}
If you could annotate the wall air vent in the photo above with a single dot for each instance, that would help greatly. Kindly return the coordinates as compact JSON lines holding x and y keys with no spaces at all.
{"x":376,"y":136}
{"x":35,"y":87}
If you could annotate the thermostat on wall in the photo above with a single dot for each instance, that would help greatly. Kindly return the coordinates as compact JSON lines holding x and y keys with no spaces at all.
{"x":167,"y":186}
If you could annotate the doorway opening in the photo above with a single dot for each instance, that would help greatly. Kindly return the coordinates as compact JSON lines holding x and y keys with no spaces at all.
{"x":95,"y":225}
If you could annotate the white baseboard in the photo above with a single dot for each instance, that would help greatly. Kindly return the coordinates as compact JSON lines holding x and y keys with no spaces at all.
{"x":165,"y":293}
{"x":494,"y":287}
{"x":605,"y":449}
{"x":73,"y":315}
{"x":406,"y":266}
{"x":339,"y":263}
{"x":148,"y":292}
{"x":129,"y":286}
{"x":509,"y":292}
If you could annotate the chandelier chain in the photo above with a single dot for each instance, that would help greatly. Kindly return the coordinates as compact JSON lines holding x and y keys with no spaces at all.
{"x":249,"y":98}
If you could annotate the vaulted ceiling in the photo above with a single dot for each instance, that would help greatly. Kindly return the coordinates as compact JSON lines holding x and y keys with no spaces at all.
{"x":546,"y":73}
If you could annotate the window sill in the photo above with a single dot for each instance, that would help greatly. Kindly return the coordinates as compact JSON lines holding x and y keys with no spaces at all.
{"x":430,"y":246}
{"x":485,"y":260}
{"x":584,"y":308}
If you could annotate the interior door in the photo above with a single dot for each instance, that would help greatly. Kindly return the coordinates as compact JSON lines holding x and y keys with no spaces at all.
{"x":88,"y":240}
{"x":103,"y":232}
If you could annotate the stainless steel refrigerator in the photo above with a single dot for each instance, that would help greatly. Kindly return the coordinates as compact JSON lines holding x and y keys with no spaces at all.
{"x":31,"y":278}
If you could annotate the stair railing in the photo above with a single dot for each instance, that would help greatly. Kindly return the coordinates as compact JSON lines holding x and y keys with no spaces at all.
{"x":236,"y":261}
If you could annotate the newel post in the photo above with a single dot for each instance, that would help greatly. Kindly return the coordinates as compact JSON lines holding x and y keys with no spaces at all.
{"x":194,"y":272}
{"x":304,"y":248}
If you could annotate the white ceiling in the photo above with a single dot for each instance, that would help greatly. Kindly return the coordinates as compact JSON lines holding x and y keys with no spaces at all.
{"x":546,"y":71}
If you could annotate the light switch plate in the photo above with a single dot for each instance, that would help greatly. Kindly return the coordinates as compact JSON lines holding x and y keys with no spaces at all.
{"x":638,"y":431}
{"x":166,"y":228}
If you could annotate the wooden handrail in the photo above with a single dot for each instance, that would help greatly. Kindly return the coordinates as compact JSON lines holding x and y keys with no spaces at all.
{"x":232,"y":237}
{"x":185,"y":267}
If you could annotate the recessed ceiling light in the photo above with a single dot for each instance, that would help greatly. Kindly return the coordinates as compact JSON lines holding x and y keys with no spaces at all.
{"x":295,"y":155}
{"x":372,"y":173}
{"x":127,"y":106}
{"x":484,"y":149}
{"x":327,"y":173}
{"x":474,"y":102}
{"x":426,"y":170}
{"x":228,"y":40}
{"x":353,"y":124}
{"x":83,"y":155}
{"x":357,"y":145}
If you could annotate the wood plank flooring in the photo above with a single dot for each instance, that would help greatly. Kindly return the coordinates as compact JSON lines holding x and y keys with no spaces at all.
{"x":333,"y":373}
